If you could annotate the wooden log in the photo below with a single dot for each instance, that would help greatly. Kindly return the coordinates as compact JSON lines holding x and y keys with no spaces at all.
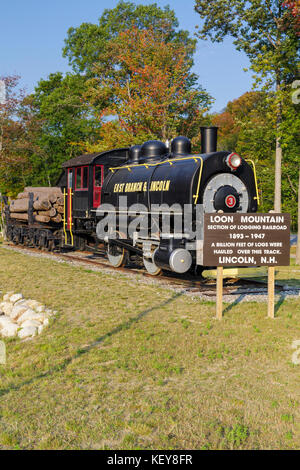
{"x":57,"y":219}
{"x":41,"y":204}
{"x":19,"y":205}
{"x":60,"y":201}
{"x":51,"y":195}
{"x":50,"y":213}
{"x":59,"y":209}
{"x":42,"y":218}
{"x":52,"y":198}
{"x":44,"y":189}
{"x":19,"y":216}
{"x":23,"y":195}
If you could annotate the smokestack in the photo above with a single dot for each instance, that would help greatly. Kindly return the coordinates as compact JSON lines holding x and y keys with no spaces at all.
{"x":208,"y":139}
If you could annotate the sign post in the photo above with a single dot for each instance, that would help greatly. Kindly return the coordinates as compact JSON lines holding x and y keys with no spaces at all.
{"x":219,"y":302}
{"x":271,"y":292}
{"x":246,"y":239}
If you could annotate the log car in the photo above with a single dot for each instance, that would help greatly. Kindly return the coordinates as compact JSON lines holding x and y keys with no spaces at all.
{"x":81,"y":183}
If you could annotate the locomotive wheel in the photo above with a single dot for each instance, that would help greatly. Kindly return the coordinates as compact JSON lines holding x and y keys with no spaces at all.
{"x":151,"y":267}
{"x":117,"y":255}
{"x":50,"y":245}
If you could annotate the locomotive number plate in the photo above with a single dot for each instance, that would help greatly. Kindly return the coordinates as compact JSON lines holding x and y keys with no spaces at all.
{"x":246,"y":239}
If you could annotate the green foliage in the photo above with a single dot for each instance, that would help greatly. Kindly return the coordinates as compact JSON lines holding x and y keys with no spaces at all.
{"x":66,"y":119}
{"x":19,"y":131}
{"x":263,"y":29}
{"x":85,"y":43}
{"x":248,"y":126}
{"x":148,"y":87}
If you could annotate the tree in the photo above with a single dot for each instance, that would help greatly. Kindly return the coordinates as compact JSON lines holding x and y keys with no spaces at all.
{"x":298,"y":241}
{"x":19,"y":129}
{"x":263,"y":30}
{"x":149,"y":87}
{"x":231,"y":120}
{"x":85,"y":44}
{"x":294,"y":7}
{"x":66,"y":118}
{"x":248,"y":126}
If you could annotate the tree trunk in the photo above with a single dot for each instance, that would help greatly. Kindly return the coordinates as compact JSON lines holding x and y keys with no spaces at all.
{"x":278,"y":158}
{"x":298,"y":241}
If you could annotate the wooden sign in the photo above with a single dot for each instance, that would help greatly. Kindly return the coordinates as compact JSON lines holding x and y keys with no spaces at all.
{"x":246,"y":239}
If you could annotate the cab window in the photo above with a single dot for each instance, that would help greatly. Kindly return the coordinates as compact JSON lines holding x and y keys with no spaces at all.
{"x":81,"y":178}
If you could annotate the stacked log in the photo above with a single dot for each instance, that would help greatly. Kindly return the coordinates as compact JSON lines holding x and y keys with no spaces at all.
{"x":48,"y":205}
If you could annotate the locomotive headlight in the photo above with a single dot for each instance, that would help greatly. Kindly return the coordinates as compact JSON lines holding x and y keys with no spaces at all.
{"x":233,"y":161}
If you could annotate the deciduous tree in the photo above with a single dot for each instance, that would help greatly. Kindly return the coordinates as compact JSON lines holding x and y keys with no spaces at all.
{"x":67,"y":119}
{"x":150,"y":88}
{"x":263,"y":29}
{"x":86,"y":43}
{"x":19,"y":130}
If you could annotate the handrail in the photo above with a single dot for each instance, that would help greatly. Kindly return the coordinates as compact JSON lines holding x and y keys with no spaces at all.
{"x":70,"y":194}
{"x":65,"y":219}
{"x":194,"y":157}
{"x":255,"y":178}
{"x":146,"y":165}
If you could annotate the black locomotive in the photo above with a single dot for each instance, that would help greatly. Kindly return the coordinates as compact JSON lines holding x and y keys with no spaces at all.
{"x":155,"y":177}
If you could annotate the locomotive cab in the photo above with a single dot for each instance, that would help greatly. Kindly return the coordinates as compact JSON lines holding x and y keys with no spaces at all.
{"x":82,"y":183}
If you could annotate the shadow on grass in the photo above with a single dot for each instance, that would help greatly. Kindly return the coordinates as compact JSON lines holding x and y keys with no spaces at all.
{"x":241,"y":296}
{"x":233,"y":304}
{"x":279,"y":303}
{"x":59,"y":367}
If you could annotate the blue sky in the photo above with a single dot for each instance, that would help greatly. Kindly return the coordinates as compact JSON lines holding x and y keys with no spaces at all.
{"x":32,"y":34}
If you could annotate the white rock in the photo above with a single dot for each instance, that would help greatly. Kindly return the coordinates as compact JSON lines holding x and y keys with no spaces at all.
{"x":4,"y":320}
{"x":6,"y":307}
{"x":40,"y":309}
{"x":27,"y":332}
{"x":17,"y":311}
{"x":34,"y":323}
{"x":15,"y":297}
{"x":29,"y":314}
{"x":40,"y":329}
{"x":21,"y":302}
{"x":7,"y":296}
{"x":33,"y":303}
{"x":9,"y":330}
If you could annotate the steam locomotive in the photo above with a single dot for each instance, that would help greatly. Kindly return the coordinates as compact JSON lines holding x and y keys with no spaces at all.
{"x":156,"y":178}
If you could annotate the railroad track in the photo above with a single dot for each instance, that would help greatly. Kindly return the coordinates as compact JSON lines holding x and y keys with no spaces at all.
{"x":189,"y":283}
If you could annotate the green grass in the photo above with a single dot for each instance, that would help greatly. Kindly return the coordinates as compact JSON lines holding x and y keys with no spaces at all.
{"x":127,"y":365}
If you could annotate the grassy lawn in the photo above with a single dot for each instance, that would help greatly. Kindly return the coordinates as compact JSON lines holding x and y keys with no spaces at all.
{"x":128,"y":365}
